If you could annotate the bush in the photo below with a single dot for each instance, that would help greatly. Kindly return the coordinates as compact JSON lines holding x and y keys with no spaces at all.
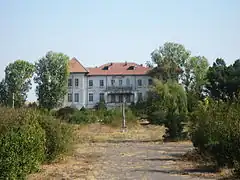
{"x":214,"y":129}
{"x":22,"y":142}
{"x":111,"y":117}
{"x":114,"y":117}
{"x":83,"y":117}
{"x":167,"y":105}
{"x":65,"y":113}
{"x":58,"y":137}
{"x":27,"y":139}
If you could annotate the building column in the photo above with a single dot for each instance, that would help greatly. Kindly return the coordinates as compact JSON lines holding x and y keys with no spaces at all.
{"x":106,"y":97}
{"x":135,"y":97}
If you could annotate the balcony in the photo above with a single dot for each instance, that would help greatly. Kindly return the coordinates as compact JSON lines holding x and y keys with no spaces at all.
{"x":119,"y":89}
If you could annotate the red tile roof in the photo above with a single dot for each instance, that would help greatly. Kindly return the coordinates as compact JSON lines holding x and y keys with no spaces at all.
{"x":76,"y":66}
{"x":119,"y":69}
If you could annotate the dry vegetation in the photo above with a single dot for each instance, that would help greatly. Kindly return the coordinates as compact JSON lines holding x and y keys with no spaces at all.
{"x":79,"y":164}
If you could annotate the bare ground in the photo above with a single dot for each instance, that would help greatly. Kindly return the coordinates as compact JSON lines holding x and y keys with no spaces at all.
{"x":107,"y":154}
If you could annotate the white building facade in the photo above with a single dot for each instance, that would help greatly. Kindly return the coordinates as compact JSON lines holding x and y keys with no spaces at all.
{"x":112,"y":83}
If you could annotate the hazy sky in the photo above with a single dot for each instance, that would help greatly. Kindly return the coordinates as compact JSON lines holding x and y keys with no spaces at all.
{"x":97,"y":31}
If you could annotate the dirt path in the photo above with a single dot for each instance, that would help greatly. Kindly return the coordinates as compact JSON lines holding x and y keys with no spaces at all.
{"x":136,"y":161}
{"x":103,"y":153}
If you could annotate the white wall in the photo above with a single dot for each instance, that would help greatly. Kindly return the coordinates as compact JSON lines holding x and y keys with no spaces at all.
{"x":80,"y":89}
{"x":83,"y":88}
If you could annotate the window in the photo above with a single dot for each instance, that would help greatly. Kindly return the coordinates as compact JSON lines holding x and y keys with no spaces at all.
{"x":90,"y":97}
{"x":69,"y":82}
{"x":101,"y":97}
{"x":131,"y":68}
{"x":76,"y":82}
{"x":139,"y":82}
{"x":140,"y":98}
{"x":128,"y":82}
{"x":90,"y":83}
{"x":101,"y":82}
{"x":120,"y":98}
{"x":120,"y":82}
{"x":69,"y":97}
{"x":128,"y":98}
{"x":150,"y":82}
{"x":112,"y":82}
{"x":76,"y":97}
{"x":113,"y":100}
{"x":105,"y":68}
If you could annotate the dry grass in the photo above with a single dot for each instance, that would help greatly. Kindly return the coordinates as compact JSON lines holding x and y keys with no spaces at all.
{"x":203,"y":166}
{"x":103,"y":133}
{"x":79,"y":164}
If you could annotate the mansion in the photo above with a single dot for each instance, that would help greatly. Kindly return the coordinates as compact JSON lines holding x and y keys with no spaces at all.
{"x":111,"y":83}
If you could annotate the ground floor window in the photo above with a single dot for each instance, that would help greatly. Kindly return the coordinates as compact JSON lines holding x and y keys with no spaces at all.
{"x":76,"y":97}
{"x":69,"y":97}
{"x":101,"y":97}
{"x":140,"y":98}
{"x":90,"y":97}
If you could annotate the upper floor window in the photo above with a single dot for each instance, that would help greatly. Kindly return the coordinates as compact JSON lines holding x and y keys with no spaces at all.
{"x":139,"y":82}
{"x":76,"y":82}
{"x":112,"y":82}
{"x":69,"y":97}
{"x":90,"y":97}
{"x":69,"y":82}
{"x":76,"y":97}
{"x":150,"y":82}
{"x":120,"y":82}
{"x":90,"y":83}
{"x":128,"y":82}
{"x":101,"y":82}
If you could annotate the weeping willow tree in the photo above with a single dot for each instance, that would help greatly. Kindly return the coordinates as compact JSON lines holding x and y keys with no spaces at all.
{"x":167,"y":105}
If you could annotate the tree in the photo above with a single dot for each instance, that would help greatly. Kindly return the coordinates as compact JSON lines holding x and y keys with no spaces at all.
{"x":169,"y":61}
{"x":233,"y":81}
{"x":18,"y":81}
{"x":217,"y":77}
{"x":195,"y":73}
{"x":3,"y":93}
{"x":167,"y":104}
{"x":51,"y":77}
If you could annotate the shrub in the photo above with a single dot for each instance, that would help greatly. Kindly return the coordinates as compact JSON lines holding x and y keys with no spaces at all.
{"x":167,"y":105}
{"x":58,"y":136}
{"x":22,"y":143}
{"x":214,"y":129}
{"x":83,"y":117}
{"x":65,"y":113}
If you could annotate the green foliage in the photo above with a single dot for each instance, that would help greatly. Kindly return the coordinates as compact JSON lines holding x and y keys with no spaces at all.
{"x":214,"y":129}
{"x":65,"y":113}
{"x":3,"y":93}
{"x":100,"y":106}
{"x":51,"y":77}
{"x":22,"y":143}
{"x":58,"y":137}
{"x":168,"y":106}
{"x":27,"y":139}
{"x":18,"y":81}
{"x":194,"y":77}
{"x":169,"y":60}
{"x":111,"y":117}
{"x":83,"y":117}
{"x":223,"y":81}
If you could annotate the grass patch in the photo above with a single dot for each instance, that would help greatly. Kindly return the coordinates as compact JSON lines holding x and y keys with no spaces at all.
{"x":102,"y":133}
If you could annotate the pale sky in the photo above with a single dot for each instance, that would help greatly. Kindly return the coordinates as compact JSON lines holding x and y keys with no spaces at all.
{"x":100,"y":31}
